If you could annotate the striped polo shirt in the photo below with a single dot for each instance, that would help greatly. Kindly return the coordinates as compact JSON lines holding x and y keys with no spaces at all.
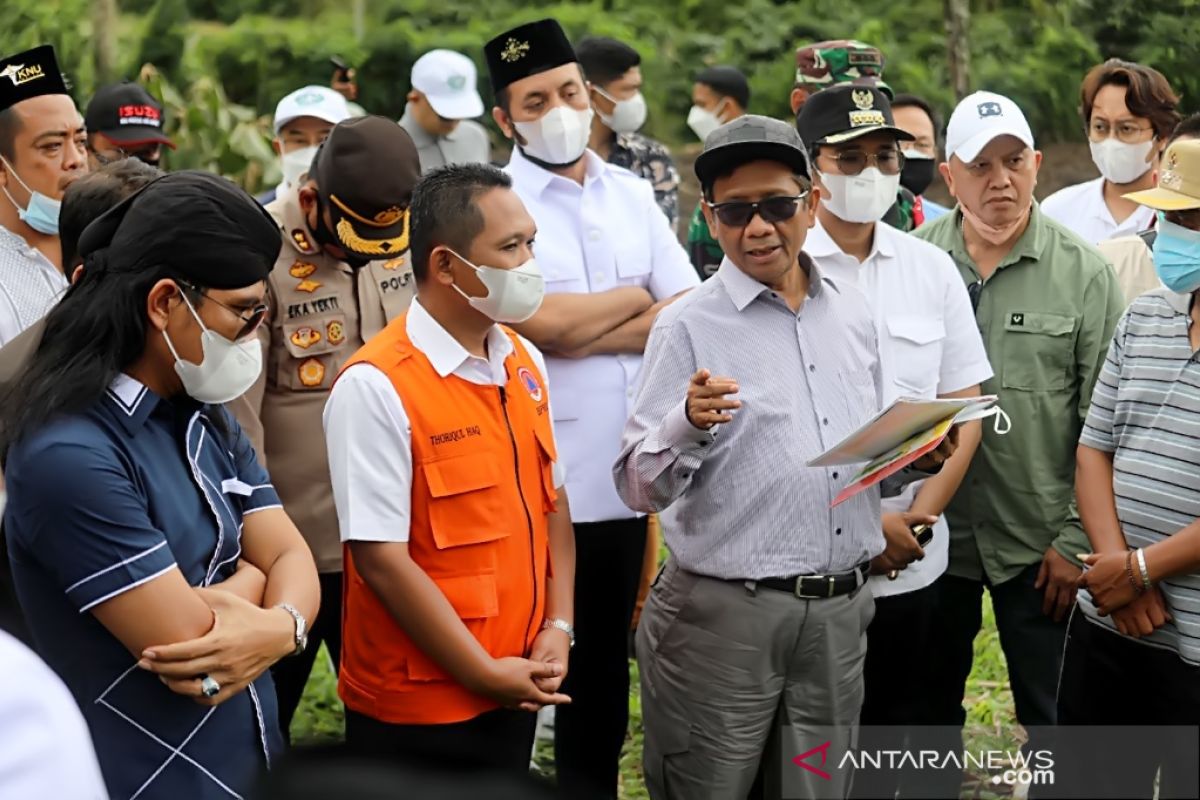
{"x":1146,"y":412}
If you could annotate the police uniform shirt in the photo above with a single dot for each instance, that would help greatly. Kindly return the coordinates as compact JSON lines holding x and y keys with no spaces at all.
{"x":370,"y":437}
{"x":929,"y":345}
{"x":29,"y":285}
{"x":322,"y":311}
{"x":109,"y":499}
{"x":468,"y":143}
{"x":609,"y":232}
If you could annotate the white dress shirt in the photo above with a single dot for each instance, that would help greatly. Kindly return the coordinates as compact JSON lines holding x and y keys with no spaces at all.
{"x":369,"y":435}
{"x":1082,"y":209}
{"x":29,"y":285}
{"x":47,"y":750}
{"x":929,"y":344}
{"x":609,"y":232}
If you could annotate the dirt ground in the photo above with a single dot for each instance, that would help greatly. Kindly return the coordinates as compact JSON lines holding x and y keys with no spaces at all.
{"x":1062,"y":165}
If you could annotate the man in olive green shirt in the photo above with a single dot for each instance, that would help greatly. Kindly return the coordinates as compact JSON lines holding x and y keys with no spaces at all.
{"x":1046,"y":303}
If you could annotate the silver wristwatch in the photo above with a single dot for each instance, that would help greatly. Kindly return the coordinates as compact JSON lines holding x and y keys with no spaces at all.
{"x":563,"y":626}
{"x":301,"y":627}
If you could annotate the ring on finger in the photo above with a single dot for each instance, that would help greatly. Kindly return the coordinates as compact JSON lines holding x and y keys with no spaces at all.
{"x":209,"y":687}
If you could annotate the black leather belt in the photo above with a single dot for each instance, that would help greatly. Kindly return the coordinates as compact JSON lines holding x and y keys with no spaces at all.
{"x":817,"y":587}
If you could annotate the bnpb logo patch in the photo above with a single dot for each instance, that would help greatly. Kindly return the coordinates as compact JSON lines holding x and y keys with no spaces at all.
{"x":531,"y":383}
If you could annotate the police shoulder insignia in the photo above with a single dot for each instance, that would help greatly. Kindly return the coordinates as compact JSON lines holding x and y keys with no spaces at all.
{"x":300,"y":237}
{"x":309,"y":286}
{"x":335,"y":332}
{"x":312,"y":372}
{"x":302,"y":269}
{"x":305,"y":337}
{"x":395,"y":263}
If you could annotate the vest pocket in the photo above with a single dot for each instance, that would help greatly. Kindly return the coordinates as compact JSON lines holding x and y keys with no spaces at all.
{"x":546,"y":453}
{"x":466,"y":506}
{"x":475,"y":598}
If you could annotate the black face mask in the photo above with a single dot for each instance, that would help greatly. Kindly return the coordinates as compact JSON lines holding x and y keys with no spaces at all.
{"x":917,"y":174}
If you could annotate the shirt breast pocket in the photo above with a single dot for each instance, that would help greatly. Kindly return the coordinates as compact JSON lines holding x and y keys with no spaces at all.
{"x":917,"y":343}
{"x":1038,"y":351}
{"x":315,"y":348}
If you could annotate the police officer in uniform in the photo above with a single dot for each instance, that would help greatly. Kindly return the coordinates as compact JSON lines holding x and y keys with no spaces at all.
{"x":343,"y":273}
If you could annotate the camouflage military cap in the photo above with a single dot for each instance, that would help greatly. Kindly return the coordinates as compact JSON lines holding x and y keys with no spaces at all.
{"x":837,"y":62}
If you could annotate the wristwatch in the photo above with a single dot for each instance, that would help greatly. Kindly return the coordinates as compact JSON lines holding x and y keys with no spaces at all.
{"x":301,"y":627}
{"x":563,"y":626}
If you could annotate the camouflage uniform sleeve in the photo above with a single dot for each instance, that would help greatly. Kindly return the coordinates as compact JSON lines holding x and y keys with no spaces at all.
{"x":703,"y":250}
{"x":665,"y":179}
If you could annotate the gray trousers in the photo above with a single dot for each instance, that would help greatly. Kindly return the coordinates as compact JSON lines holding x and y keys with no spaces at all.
{"x":733,"y":678}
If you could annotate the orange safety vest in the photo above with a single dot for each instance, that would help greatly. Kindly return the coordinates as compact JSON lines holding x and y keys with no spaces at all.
{"x":482,"y":490}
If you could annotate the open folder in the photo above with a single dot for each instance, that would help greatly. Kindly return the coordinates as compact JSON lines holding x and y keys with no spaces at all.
{"x":898,"y":436}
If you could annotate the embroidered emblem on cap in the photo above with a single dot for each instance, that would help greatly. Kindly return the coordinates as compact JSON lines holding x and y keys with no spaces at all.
{"x":311,"y":373}
{"x":457,"y":82}
{"x":1170,"y":179}
{"x":309,"y":99}
{"x":305,"y":337}
{"x":989,"y":110}
{"x":514,"y":50}
{"x":531,"y":384}
{"x":19,"y":73}
{"x":308,"y":286}
{"x":863,"y":100}
{"x":302,"y":269}
{"x":335,"y":332}
{"x":376,"y":247}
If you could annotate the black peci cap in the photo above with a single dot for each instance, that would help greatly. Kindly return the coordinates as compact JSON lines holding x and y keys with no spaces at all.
{"x":527,"y":50}
{"x":30,"y":74}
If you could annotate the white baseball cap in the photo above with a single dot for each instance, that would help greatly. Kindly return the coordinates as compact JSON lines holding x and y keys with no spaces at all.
{"x":311,"y":101}
{"x":979,"y":119}
{"x":448,"y":79}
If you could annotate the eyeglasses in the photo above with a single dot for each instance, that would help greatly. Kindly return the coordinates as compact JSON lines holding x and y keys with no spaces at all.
{"x":738,"y":213}
{"x":251,"y":318}
{"x":852,"y":162}
{"x":1127,"y":132}
{"x":975,"y":291}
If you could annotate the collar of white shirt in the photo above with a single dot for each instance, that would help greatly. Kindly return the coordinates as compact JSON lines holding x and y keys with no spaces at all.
{"x":537,"y":179}
{"x":443,"y":350}
{"x":820,"y":244}
{"x":743,"y":289}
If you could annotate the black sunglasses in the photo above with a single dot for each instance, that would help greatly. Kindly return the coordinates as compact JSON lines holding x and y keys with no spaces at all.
{"x":738,"y":213}
{"x":251,"y":318}
{"x":974,"y":291}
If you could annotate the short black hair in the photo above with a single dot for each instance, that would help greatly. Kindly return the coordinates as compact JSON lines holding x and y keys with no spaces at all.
{"x":1189,"y":127}
{"x":10,"y":126}
{"x":727,"y":82}
{"x":444,"y":209}
{"x":905,"y":100}
{"x":604,"y":59}
{"x":93,"y":194}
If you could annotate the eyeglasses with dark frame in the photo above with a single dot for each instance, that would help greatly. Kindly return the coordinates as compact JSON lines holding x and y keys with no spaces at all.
{"x":1127,"y":132}
{"x":738,"y":213}
{"x":251,"y":318}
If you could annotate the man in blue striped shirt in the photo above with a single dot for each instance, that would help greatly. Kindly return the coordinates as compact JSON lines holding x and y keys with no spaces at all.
{"x":1133,"y":648}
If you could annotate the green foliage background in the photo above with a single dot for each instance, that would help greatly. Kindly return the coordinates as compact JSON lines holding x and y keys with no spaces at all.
{"x":249,"y":53}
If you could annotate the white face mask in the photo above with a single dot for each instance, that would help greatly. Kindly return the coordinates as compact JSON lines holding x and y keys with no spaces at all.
{"x":558,"y":138}
{"x":228,"y":369}
{"x":864,"y":197}
{"x":296,"y":163}
{"x":1119,"y":162}
{"x":628,"y":115}
{"x":703,"y":122}
{"x":514,"y":295}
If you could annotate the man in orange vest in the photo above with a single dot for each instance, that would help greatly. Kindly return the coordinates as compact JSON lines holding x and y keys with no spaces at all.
{"x":459,"y":551}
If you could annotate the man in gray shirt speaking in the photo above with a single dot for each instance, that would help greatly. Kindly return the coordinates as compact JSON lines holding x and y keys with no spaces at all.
{"x":752,"y":640}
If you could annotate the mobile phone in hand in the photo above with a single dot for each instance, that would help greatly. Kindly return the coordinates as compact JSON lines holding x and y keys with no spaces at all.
{"x":343,"y":69}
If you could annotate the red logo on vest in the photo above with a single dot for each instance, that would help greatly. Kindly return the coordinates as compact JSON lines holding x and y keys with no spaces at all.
{"x":530,"y":382}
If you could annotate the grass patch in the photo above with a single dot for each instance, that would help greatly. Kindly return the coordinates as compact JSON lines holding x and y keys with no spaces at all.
{"x":991,"y":722}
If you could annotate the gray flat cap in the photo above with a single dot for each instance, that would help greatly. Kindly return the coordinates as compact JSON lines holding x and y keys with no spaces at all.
{"x":751,"y":138}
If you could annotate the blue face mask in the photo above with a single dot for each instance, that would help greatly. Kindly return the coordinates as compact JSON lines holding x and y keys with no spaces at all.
{"x":42,"y":212}
{"x":1177,"y":256}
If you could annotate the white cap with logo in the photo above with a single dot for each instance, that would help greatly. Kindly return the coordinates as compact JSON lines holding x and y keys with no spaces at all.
{"x":311,"y":101}
{"x":448,"y":80}
{"x":980,"y":118}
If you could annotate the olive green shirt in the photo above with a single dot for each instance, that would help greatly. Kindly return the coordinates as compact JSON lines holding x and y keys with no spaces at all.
{"x":1046,"y":315}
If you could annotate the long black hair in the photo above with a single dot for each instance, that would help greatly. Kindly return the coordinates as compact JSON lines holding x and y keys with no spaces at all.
{"x":96,"y":331}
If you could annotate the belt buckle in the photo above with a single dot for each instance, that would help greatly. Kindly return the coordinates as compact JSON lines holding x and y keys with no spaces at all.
{"x":805,"y":596}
